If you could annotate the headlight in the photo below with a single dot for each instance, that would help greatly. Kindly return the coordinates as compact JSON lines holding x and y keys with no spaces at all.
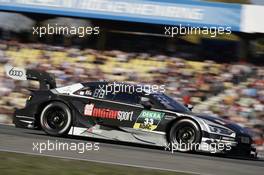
{"x":219,"y":130}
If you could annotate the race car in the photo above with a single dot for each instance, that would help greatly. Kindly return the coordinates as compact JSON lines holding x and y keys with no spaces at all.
{"x":129,"y":114}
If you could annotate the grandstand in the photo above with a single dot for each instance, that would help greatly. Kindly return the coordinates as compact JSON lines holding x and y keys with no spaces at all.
{"x":233,"y":91}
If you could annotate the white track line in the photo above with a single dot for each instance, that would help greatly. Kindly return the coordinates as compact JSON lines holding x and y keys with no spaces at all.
{"x":105,"y":162}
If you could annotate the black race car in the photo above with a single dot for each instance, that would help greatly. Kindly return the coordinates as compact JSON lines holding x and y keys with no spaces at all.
{"x":93,"y":109}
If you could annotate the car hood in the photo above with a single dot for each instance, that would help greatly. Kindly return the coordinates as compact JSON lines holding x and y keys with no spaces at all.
{"x":226,"y":123}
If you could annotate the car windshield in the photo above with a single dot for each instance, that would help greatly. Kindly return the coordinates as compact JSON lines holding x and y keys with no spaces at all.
{"x":169,"y":103}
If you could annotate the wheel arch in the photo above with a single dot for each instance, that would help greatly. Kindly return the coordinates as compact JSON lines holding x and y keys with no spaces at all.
{"x":45,"y":103}
{"x":174,"y":121}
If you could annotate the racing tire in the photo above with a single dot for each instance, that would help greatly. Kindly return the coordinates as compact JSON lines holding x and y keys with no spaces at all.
{"x":185,"y":136}
{"x":56,"y":119}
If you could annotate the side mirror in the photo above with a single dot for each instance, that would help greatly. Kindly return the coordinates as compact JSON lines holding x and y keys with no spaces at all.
{"x":189,"y":106}
{"x":144,"y":101}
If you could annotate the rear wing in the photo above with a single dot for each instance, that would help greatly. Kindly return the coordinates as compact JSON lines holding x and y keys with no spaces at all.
{"x":46,"y":80}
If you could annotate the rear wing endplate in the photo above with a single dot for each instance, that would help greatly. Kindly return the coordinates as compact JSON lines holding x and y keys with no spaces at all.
{"x":46,"y":80}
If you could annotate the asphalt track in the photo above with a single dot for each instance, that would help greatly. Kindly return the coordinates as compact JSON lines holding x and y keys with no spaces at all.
{"x":21,"y":140}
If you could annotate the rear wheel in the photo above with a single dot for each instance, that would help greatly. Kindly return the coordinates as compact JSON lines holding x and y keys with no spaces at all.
{"x":56,"y":119}
{"x":185,"y":135}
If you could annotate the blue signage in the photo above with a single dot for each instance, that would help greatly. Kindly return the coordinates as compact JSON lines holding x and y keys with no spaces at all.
{"x":147,"y":11}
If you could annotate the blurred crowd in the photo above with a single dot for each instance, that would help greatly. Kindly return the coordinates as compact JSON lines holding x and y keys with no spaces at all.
{"x":234,"y":91}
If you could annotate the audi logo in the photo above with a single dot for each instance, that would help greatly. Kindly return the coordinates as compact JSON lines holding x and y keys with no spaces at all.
{"x":13,"y":72}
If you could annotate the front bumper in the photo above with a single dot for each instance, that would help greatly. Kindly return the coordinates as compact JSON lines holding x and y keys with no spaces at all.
{"x":241,"y":145}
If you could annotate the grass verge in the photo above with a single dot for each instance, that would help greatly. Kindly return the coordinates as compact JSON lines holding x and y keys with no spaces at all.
{"x":24,"y":164}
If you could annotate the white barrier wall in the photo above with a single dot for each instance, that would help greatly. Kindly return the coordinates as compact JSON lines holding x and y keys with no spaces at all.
{"x":252,"y":19}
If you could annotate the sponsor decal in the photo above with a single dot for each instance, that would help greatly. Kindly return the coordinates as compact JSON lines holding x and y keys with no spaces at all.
{"x":16,"y":73}
{"x":104,"y":113}
{"x":86,"y":93}
{"x":127,"y":116}
{"x":90,"y":110}
{"x":148,"y":120}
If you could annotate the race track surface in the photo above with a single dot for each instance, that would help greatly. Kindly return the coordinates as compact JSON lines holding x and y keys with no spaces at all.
{"x":21,"y":140}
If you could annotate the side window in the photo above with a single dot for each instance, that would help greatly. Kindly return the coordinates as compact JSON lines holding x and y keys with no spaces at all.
{"x":126,"y":98}
{"x":155,"y":103}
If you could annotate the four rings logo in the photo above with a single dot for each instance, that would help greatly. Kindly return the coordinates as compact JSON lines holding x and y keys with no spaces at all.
{"x":13,"y":72}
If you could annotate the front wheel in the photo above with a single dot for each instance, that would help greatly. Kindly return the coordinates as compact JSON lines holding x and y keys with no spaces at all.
{"x":185,"y":135}
{"x":56,"y":119}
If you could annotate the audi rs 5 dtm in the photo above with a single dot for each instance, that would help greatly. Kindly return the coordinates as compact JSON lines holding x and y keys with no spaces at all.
{"x":85,"y":109}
